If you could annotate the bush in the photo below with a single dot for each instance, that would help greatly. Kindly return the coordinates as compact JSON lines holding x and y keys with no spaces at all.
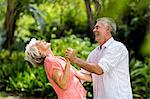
{"x":140,"y":78}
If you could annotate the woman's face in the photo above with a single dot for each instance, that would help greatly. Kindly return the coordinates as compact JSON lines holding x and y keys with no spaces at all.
{"x":43,"y":46}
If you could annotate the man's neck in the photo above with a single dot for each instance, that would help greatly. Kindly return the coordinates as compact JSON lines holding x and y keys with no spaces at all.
{"x":102,"y":43}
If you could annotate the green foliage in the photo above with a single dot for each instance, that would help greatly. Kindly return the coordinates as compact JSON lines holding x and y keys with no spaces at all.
{"x":136,"y":15}
{"x":57,"y":18}
{"x":2,"y":14}
{"x":115,"y":7}
{"x":146,"y":45}
{"x":2,"y":9}
{"x":140,"y":5}
{"x":31,"y":82}
{"x":52,"y":20}
{"x":82,"y":47}
{"x":140,"y":78}
{"x":19,"y":78}
{"x":38,"y":17}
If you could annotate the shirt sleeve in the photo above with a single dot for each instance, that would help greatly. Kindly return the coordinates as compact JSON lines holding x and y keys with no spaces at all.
{"x":111,"y":58}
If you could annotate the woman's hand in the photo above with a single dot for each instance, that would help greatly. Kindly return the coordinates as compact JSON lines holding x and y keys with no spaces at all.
{"x":70,"y":54}
{"x":82,"y":76}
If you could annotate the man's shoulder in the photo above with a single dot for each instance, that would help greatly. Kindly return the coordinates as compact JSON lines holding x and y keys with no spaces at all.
{"x":119,"y":45}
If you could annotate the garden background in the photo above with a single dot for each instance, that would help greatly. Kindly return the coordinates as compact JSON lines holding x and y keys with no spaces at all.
{"x":69,"y":23}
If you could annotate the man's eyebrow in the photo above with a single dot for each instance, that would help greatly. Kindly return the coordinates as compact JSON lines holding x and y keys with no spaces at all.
{"x":96,"y":26}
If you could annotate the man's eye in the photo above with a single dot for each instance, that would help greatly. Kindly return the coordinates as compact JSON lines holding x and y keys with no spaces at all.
{"x":97,"y":27}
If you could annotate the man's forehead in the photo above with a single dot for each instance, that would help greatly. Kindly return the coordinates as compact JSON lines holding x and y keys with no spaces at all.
{"x":99,"y":24}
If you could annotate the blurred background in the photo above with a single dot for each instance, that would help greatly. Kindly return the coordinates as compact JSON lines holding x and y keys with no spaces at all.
{"x":68,"y":23}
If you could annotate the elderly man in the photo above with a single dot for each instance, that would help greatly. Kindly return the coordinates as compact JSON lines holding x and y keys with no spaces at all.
{"x":108,"y":63}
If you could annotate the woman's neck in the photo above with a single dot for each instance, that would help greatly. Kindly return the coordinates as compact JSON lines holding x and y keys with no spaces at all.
{"x":50,"y":53}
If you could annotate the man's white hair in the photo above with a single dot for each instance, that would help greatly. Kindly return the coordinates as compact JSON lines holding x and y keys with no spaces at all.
{"x":32,"y":54}
{"x":108,"y":21}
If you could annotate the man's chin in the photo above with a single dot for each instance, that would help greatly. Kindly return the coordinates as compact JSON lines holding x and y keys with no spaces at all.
{"x":96,"y":40}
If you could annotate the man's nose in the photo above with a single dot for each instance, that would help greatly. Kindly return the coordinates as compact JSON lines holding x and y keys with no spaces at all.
{"x":94,"y":30}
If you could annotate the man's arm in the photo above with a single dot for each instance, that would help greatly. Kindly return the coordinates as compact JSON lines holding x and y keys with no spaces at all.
{"x":82,"y":76}
{"x":91,"y":67}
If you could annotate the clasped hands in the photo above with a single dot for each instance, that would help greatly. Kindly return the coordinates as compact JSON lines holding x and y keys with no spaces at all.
{"x":70,"y":54}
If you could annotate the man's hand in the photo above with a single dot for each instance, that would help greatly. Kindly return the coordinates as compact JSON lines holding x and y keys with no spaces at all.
{"x":70,"y":54}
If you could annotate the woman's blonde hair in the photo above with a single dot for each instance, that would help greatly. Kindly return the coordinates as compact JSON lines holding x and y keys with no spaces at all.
{"x":32,"y":53}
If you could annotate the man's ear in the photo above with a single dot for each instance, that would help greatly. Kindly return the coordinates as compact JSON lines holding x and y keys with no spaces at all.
{"x":109,"y":29}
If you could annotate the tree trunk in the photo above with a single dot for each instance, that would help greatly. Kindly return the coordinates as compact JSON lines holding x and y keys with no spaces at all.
{"x":98,"y":7}
{"x":9,"y":24}
{"x":90,"y":18}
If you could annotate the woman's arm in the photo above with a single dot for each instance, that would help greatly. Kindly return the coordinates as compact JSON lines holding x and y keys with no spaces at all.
{"x":82,"y":76}
{"x":60,"y":78}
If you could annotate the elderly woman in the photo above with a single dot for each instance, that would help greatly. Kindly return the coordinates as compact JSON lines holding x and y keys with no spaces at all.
{"x":64,"y":78}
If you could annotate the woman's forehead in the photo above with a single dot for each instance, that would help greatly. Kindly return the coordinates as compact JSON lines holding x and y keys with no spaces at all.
{"x":41,"y":41}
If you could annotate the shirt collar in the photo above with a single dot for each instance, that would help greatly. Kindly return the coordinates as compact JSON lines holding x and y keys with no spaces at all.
{"x":107,"y":43}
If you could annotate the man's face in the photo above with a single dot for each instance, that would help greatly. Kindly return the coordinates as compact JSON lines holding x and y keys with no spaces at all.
{"x":100,"y":31}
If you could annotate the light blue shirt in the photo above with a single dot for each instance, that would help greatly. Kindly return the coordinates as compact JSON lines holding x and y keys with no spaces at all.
{"x":114,"y":83}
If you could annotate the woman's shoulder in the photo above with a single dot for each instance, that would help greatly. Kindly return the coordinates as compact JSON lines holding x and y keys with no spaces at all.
{"x":50,"y":59}
{"x":52,"y":62}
